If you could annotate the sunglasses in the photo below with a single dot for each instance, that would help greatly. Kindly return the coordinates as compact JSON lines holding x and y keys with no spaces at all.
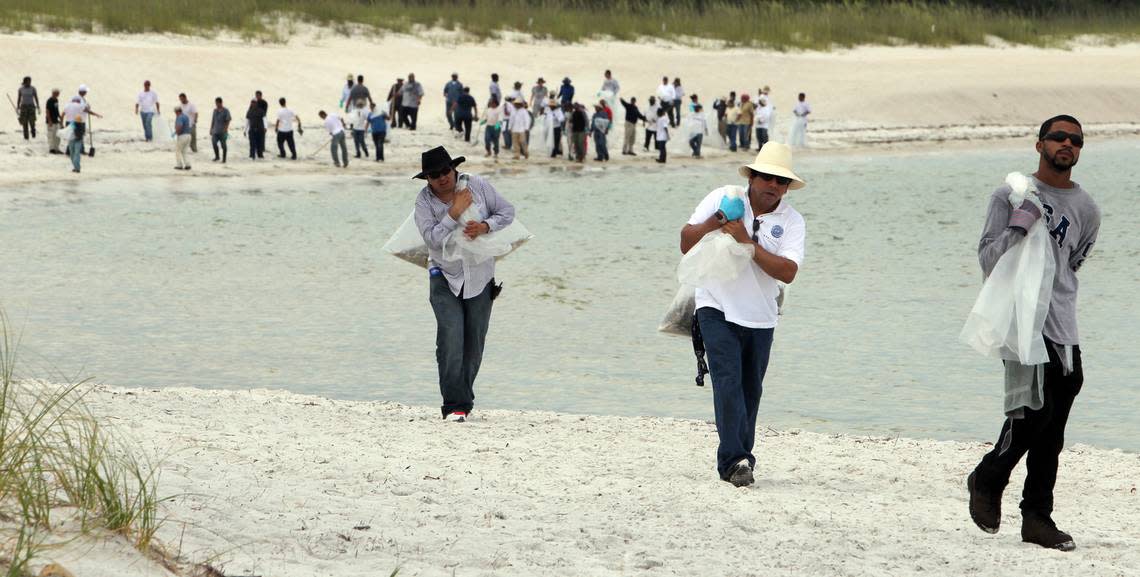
{"x":1061,"y":136}
{"x":755,"y":230}
{"x":781,"y":180}
{"x":439,"y":173}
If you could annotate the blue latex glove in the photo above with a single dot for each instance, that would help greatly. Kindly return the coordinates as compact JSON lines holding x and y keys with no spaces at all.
{"x":733,"y":208}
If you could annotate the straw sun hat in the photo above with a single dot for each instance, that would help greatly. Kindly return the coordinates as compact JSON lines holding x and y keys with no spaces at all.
{"x":775,"y":159}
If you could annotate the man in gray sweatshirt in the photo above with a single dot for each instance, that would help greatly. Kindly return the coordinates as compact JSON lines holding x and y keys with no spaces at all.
{"x":1073,"y":221}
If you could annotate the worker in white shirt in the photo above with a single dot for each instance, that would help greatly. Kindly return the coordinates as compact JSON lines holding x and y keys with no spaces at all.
{"x":665,"y":96}
{"x":798,"y":136}
{"x":335,"y":125}
{"x":520,"y":128}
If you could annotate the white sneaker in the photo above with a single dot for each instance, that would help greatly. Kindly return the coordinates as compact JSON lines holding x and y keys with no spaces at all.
{"x":456,"y":417}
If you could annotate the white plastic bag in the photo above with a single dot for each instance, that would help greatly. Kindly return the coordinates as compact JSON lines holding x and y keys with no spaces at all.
{"x":1008,"y":316}
{"x":678,"y":320}
{"x":408,"y":244}
{"x":717,"y":257}
{"x":66,"y":133}
{"x":474,"y":251}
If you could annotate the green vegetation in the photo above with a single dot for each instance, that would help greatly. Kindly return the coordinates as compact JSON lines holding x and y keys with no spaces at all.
{"x":814,"y":24}
{"x":57,"y":463}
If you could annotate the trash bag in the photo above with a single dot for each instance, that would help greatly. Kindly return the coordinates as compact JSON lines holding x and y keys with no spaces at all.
{"x":678,"y":320}
{"x":1010,"y":311}
{"x":717,"y":257}
{"x":474,"y":251}
{"x":66,"y":133}
{"x":408,"y":244}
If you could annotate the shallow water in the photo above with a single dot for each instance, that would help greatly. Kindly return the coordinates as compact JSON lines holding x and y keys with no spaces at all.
{"x":281,"y":283}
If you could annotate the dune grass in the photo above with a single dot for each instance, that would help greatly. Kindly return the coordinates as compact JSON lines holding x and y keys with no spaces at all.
{"x":57,"y":463}
{"x":781,"y":25}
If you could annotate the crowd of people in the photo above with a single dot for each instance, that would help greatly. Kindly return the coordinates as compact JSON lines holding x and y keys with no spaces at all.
{"x":565,"y":121}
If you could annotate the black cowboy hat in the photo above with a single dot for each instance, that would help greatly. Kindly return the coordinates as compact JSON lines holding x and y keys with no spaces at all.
{"x":437,"y":159}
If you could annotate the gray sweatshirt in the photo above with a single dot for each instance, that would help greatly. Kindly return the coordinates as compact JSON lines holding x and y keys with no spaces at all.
{"x":1073,"y":220}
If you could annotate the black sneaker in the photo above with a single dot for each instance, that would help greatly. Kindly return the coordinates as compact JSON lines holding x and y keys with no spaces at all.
{"x":985,"y":507}
{"x":741,"y":474}
{"x":1041,"y":530}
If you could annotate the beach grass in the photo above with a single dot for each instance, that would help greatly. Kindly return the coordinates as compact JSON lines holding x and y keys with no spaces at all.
{"x":792,"y":24}
{"x":58,"y":463}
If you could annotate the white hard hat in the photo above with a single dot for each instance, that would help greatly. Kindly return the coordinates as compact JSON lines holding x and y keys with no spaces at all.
{"x":83,"y":88}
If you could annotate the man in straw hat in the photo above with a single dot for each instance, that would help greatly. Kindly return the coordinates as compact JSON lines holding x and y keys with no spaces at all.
{"x":736,"y":318}
{"x":460,"y":292}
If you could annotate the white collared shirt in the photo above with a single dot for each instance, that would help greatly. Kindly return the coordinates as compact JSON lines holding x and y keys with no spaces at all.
{"x":666,"y":93}
{"x":750,"y":299}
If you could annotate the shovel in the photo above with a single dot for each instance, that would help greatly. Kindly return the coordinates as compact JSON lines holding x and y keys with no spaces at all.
{"x":91,"y":133}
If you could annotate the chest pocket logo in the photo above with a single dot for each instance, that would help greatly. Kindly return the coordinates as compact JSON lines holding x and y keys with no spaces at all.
{"x":777,"y":231}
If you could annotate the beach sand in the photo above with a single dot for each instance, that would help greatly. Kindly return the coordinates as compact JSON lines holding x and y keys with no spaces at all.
{"x":863,"y":97}
{"x":284,"y":485}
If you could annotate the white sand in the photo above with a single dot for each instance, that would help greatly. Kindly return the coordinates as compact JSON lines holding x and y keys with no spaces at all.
{"x":272,"y":483}
{"x":867,"y":96}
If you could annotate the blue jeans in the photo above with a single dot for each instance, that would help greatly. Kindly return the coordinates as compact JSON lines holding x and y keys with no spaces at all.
{"x":507,"y":139}
{"x":600,"y":149}
{"x":461,"y":332}
{"x":738,"y":359}
{"x":358,"y":143}
{"x":491,"y":138}
{"x":147,"y":120}
{"x":75,"y":151}
{"x":745,"y":136}
{"x":732,"y":137}
{"x":695,"y":143}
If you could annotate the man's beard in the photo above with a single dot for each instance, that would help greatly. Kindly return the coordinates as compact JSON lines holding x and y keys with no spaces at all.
{"x":1059,"y":165}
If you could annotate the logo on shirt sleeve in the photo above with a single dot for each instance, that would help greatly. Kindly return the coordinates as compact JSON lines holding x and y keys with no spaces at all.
{"x":777,"y":231}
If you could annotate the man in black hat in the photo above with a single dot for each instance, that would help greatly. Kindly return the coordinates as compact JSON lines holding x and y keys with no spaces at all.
{"x":460,"y":291}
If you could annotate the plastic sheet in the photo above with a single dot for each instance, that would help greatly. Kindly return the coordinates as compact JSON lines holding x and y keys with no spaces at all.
{"x":717,"y":257}
{"x":408,"y":244}
{"x":66,"y":133}
{"x":1010,"y":311}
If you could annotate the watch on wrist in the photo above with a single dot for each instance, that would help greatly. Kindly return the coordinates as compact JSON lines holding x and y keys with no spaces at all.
{"x":721,"y":217}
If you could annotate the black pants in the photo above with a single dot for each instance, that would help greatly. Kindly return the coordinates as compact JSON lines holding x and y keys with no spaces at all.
{"x":378,"y":143}
{"x":649,"y":135}
{"x":1041,"y":434}
{"x":661,"y":150}
{"x":284,"y":138}
{"x":463,"y":124}
{"x":219,"y":140}
{"x":408,"y":116}
{"x":257,"y":144}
